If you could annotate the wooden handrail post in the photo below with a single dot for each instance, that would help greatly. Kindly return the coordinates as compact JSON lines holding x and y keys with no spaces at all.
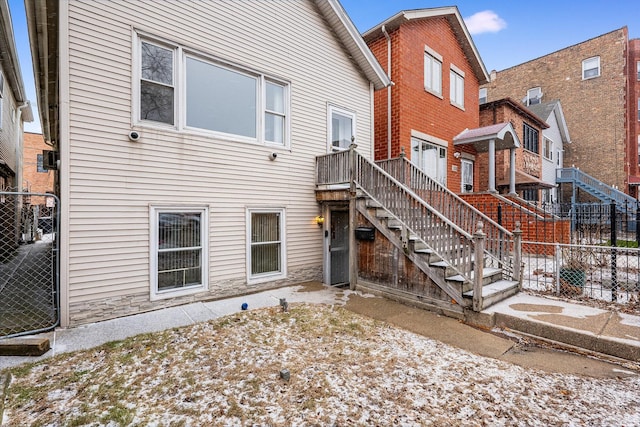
{"x":478,"y":240}
{"x":517,"y":254}
{"x":353,"y":250}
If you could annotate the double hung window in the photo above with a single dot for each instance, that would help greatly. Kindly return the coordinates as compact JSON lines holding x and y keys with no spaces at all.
{"x":591,"y":68}
{"x":179,"y":250}
{"x":534,"y":96}
{"x":265,"y":244}
{"x":530,"y":137}
{"x":547,"y":149}
{"x":231,"y":101}
{"x":432,"y":72}
{"x":456,"y":88}
{"x":482,"y":95}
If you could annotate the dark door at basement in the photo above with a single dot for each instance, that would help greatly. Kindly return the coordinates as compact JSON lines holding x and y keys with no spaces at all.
{"x":339,"y":248}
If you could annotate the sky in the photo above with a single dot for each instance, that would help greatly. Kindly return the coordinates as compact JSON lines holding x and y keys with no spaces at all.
{"x":505,"y":32}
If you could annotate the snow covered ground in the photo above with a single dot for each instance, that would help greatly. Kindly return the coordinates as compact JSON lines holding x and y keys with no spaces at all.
{"x":345,"y":369}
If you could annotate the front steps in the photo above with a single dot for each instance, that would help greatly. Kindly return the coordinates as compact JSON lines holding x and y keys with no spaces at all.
{"x":460,"y":289}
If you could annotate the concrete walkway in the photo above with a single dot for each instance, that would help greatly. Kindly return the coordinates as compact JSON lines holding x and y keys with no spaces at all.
{"x":576,"y":325}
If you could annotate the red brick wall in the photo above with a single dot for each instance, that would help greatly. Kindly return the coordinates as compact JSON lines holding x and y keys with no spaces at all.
{"x":34,"y":181}
{"x":632,"y":112}
{"x":413,"y":108}
{"x":536,"y":226}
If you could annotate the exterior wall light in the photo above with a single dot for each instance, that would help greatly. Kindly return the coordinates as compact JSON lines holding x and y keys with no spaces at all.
{"x":319,"y":220}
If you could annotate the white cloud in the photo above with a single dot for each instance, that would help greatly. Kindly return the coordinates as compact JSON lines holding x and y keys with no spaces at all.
{"x":486,"y":21}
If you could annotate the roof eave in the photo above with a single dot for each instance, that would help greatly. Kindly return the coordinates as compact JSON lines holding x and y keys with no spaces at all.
{"x":42,"y":23}
{"x":460,"y":28}
{"x":353,"y":42}
{"x":10,"y":62}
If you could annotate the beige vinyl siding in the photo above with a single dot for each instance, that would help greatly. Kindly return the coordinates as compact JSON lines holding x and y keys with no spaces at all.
{"x":8,"y":130}
{"x":113,"y":181}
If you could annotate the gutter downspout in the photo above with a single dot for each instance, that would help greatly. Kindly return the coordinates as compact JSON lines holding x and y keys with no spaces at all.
{"x":18,"y":143}
{"x":386,"y":36}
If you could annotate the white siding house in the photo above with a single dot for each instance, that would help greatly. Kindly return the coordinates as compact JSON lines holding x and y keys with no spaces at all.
{"x":14,"y":107}
{"x":187,"y":133}
{"x":553,"y":140}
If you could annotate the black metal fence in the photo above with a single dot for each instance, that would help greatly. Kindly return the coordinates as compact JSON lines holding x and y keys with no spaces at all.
{"x":28,"y":263}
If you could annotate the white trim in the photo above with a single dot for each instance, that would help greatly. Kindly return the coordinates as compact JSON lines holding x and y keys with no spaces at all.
{"x":64,"y":149}
{"x":433,"y":53}
{"x":267,"y":277}
{"x":429,"y":138}
{"x":154,"y":211}
{"x":453,"y":92}
{"x":457,"y":70}
{"x":181,"y":54}
{"x":331,"y":108}
{"x":598,"y":67}
{"x":428,"y":85}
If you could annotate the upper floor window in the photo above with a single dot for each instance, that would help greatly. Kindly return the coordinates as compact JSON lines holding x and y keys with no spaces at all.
{"x":534,"y":96}
{"x":432,"y":72}
{"x":482,"y":96}
{"x":456,"y":87}
{"x":638,"y":69}
{"x":530,"y":138}
{"x":591,"y":68}
{"x":342,"y":125}
{"x":547,"y":149}
{"x":228,"y":100}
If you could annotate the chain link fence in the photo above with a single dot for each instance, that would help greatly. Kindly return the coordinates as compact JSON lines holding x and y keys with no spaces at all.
{"x":599,"y":274}
{"x":28,"y":263}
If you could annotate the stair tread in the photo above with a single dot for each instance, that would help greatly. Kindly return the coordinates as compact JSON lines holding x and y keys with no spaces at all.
{"x":494,"y":288}
{"x":486,"y":272}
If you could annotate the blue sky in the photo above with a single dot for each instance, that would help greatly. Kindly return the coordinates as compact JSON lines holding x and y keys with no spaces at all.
{"x":505,"y":32}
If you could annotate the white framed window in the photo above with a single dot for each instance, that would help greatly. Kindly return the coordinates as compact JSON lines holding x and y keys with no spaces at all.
{"x":638,"y":109}
{"x":430,"y":158}
{"x":432,"y":72}
{"x":467,"y":176}
{"x":189,"y":91}
{"x":591,"y":68}
{"x":638,"y":70}
{"x":266,"y":259}
{"x":157,"y":83}
{"x":534,"y":96}
{"x":456,"y":88}
{"x":482,"y":95}
{"x":530,"y":138}
{"x":179,"y":250}
{"x":547,"y":149}
{"x":342,"y":128}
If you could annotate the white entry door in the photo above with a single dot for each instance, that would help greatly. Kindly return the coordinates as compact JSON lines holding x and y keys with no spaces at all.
{"x":430,"y":158}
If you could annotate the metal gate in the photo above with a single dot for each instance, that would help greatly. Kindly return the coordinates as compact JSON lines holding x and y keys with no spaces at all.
{"x":29,"y":279}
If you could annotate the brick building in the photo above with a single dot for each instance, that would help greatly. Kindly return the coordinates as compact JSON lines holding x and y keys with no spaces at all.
{"x":599,"y":95}
{"x":36,"y":179}
{"x":633,"y":112}
{"x":437,"y":72}
{"x":528,"y":157}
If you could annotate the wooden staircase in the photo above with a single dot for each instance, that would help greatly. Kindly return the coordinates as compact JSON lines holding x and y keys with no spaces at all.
{"x":438,"y":232}
{"x":494,"y":288}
